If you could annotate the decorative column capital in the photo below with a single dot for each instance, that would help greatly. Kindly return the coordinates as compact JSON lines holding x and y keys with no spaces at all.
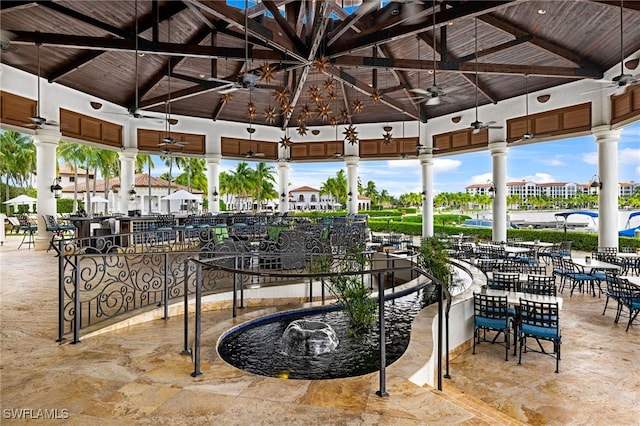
{"x":128,"y":153}
{"x":606,"y":134}
{"x":46,"y":136}
{"x":426,"y":158}
{"x":352,"y":160}
{"x":498,"y":148}
{"x":213,"y":158}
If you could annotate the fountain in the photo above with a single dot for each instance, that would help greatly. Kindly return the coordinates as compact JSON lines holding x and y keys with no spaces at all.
{"x":308,"y":338}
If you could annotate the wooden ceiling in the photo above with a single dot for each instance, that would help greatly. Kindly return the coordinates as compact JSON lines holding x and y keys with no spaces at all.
{"x":367,"y":53}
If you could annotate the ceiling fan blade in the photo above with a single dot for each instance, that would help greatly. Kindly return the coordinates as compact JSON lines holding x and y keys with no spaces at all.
{"x":229,"y":90}
{"x":419,"y":90}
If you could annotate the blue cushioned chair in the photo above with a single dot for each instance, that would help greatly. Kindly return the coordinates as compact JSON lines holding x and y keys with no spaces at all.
{"x":491,"y":313}
{"x":539,"y":321}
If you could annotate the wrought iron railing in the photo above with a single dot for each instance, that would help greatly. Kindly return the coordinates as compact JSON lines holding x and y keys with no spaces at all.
{"x":105,"y":279}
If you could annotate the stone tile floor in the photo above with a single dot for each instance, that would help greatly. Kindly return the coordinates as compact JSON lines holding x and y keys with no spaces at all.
{"x":137,"y":375}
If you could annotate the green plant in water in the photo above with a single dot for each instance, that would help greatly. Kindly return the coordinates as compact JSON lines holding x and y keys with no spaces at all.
{"x":355,"y":299}
{"x":434,"y":259}
{"x":351,"y":292}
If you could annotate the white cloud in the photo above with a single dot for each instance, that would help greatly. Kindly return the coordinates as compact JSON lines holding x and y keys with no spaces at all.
{"x":537,"y":178}
{"x":590,"y":158}
{"x":445,"y":165}
{"x":481,"y":178}
{"x":629,"y":156}
{"x":554,"y":161}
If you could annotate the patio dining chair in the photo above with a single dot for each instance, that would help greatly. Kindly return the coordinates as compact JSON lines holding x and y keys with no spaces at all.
{"x":539,"y":321}
{"x":628,"y":299}
{"x":540,"y":284}
{"x":612,"y":290}
{"x":490,"y":313}
{"x":507,"y":281}
{"x":56,"y":228}
{"x":28,"y":229}
{"x":579,"y":279}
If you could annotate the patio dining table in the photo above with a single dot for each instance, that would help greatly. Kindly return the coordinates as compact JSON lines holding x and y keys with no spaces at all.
{"x":513,"y":297}
{"x":594,"y":265}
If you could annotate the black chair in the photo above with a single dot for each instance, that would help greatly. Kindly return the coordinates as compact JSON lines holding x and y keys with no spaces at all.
{"x":507,"y":281}
{"x":540,"y":284}
{"x":491,"y":313}
{"x":57,"y":229}
{"x":629,"y":299}
{"x":612,"y":290}
{"x":29,"y":229}
{"x":539,"y":321}
{"x":533,"y":269}
{"x":578,"y":278}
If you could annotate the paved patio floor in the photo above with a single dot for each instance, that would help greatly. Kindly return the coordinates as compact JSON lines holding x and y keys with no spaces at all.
{"x":137,"y":376}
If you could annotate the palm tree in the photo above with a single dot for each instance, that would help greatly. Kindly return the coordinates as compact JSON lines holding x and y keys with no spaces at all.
{"x":371,"y":191}
{"x":17,"y":158}
{"x":72,"y":154}
{"x":336,"y":187}
{"x":109,"y":165}
{"x":193,"y":176}
{"x":240,"y":182}
{"x":141,"y":161}
{"x":262,"y":183}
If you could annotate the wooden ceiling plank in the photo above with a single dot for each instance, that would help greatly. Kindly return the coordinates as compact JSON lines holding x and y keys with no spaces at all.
{"x":284,"y":24}
{"x":87,"y":19}
{"x":547,"y":45}
{"x":631,"y":5}
{"x":75,"y":63}
{"x":364,"y":88}
{"x":400,"y":76}
{"x":381,"y":36}
{"x":16,"y":5}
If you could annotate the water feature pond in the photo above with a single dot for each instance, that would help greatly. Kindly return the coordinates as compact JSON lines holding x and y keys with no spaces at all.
{"x":258,"y":347}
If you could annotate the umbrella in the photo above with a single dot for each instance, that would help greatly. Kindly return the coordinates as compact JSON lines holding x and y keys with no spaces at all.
{"x":99,"y":199}
{"x":182,"y":195}
{"x":21,"y":199}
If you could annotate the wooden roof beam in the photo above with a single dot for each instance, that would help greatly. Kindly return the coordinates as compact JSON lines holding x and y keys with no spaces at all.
{"x":284,"y":24}
{"x":351,"y":20}
{"x":483,"y":67}
{"x":319,"y":28}
{"x":381,"y":36}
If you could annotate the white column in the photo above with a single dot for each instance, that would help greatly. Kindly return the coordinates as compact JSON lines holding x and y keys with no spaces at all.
{"x":499,"y":156}
{"x":283,"y":185}
{"x":127,"y":179}
{"x":213,"y":181}
{"x":352,"y":183}
{"x":607,"y":141}
{"x":426,"y":165}
{"x":46,"y":142}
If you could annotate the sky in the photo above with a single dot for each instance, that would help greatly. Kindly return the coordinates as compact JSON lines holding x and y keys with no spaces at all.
{"x":567,"y":160}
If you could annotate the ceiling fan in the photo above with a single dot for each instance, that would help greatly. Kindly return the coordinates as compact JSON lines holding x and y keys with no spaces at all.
{"x":38,"y":121}
{"x":622,"y":80}
{"x":527,"y":134}
{"x":135,"y":112}
{"x":168,"y":140}
{"x":248,"y":80}
{"x":478,"y":125}
{"x":435,"y":94}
